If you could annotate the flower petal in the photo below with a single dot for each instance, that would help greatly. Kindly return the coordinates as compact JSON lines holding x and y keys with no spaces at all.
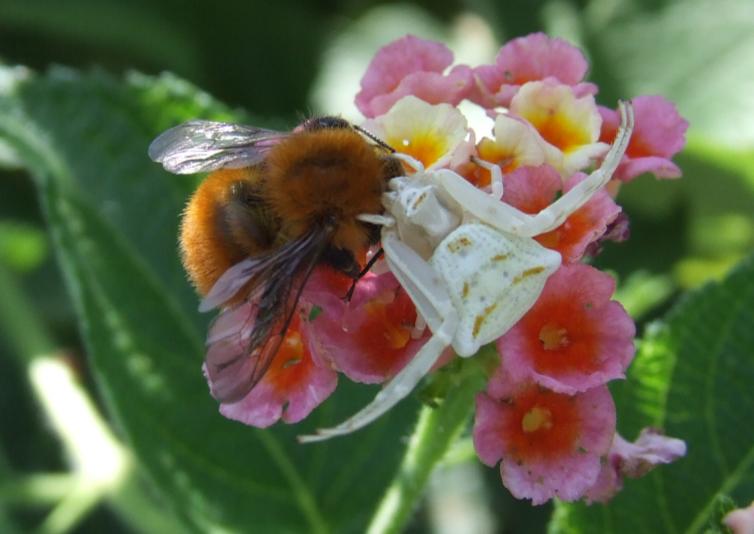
{"x":659,"y":134}
{"x":634,"y":460}
{"x":290,"y":389}
{"x":574,"y":338}
{"x":550,"y":444}
{"x":570,"y":125}
{"x":534,"y":57}
{"x":433,"y":134}
{"x":411,"y":66}
{"x":373,"y":338}
{"x":532,"y":189}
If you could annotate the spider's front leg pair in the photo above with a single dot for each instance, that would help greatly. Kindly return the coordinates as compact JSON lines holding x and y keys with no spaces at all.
{"x":482,"y":277}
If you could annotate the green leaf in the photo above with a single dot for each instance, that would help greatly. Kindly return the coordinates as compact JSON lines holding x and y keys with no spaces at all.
{"x":692,"y":377}
{"x":113,"y":216}
{"x":22,"y":246}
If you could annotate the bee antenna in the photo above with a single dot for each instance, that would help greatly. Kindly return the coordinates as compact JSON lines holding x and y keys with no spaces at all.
{"x":374,"y":138}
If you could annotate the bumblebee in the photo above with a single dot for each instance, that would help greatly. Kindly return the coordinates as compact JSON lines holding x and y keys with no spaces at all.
{"x":275,"y":206}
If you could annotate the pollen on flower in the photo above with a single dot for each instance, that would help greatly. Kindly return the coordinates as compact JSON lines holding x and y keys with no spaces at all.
{"x":542,"y":424}
{"x":537,"y":418}
{"x":553,"y":337}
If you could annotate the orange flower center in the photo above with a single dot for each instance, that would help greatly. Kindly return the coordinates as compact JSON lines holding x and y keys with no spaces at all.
{"x":553,"y":337}
{"x":394,"y":332}
{"x":559,"y":130}
{"x":558,"y":325}
{"x":538,"y":418}
{"x":386,"y":333}
{"x":543,"y":424}
{"x":427,"y":148}
{"x":292,"y":361}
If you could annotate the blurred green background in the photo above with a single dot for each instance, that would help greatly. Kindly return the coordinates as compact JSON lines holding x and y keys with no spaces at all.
{"x":279,"y":61}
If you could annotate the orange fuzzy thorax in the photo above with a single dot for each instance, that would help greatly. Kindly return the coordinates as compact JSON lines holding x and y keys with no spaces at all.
{"x":320,"y":176}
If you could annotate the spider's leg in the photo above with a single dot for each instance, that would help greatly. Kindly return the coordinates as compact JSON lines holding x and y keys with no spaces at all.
{"x":411,"y":161}
{"x":556,"y":213}
{"x":496,"y":177}
{"x":432,"y":301}
{"x":509,"y":219}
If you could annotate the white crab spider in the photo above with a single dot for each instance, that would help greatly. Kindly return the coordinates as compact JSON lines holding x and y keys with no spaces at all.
{"x":467,"y":260}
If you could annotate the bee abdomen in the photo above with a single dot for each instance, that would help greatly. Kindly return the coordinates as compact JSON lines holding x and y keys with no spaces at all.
{"x":208,"y":243}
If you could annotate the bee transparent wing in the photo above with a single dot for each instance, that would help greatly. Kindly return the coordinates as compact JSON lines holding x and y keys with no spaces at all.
{"x":243,"y":340}
{"x":203,"y":146}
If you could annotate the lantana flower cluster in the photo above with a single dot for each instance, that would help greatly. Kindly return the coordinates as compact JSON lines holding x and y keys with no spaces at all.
{"x":546,"y":415}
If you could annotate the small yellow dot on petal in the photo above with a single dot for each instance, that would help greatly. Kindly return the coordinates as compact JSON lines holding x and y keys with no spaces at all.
{"x":537,"y":418}
{"x":553,"y":337}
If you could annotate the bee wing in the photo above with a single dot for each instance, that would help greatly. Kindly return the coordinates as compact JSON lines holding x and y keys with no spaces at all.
{"x":203,"y":146}
{"x":243,"y":340}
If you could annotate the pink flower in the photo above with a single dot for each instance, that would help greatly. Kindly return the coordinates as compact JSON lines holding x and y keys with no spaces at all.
{"x":659,"y":135}
{"x":634,"y":460}
{"x":371,"y":338}
{"x":411,"y":66}
{"x":531,"y":189}
{"x":574,"y":338}
{"x":526,"y":59}
{"x":741,"y":520}
{"x":550,"y":444}
{"x":292,"y":387}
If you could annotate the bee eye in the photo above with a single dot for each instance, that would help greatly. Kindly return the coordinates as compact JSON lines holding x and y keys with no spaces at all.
{"x":323,"y":123}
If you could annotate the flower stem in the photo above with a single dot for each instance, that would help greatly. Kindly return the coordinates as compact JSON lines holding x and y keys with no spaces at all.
{"x":436,"y":430}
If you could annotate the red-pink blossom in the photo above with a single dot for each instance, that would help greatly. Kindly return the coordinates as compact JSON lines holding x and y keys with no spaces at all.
{"x":292,"y":387}
{"x":574,"y":337}
{"x":372,"y":337}
{"x":525,"y":59}
{"x":659,"y":134}
{"x":549,"y":444}
{"x":411,"y":66}
{"x":532,"y":189}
